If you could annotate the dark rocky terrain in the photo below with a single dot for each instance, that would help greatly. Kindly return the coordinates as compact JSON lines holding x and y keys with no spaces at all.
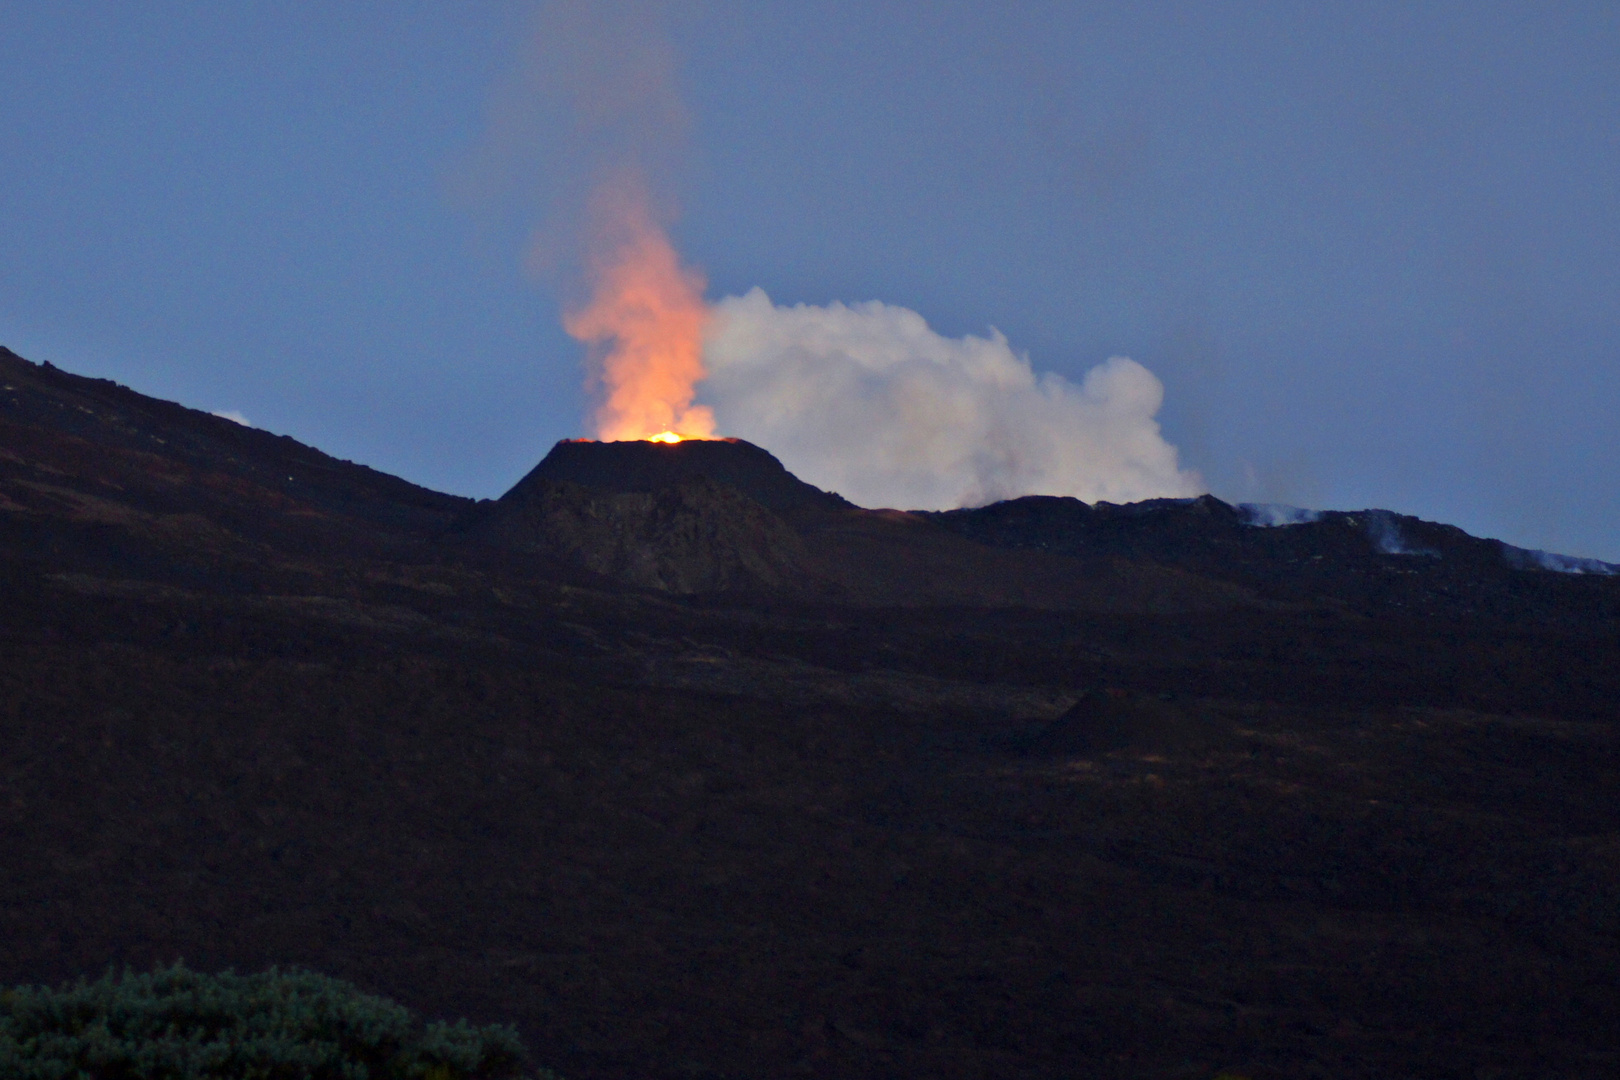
{"x":1370,"y":560}
{"x":690,"y":771}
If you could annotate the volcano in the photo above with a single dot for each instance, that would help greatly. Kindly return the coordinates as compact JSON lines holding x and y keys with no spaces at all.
{"x":655,"y":466}
{"x":725,"y":515}
{"x":689,"y":517}
{"x":689,"y":769}
{"x":722,"y":515}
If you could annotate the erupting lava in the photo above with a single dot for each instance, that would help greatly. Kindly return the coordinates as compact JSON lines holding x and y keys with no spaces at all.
{"x":644,"y":324}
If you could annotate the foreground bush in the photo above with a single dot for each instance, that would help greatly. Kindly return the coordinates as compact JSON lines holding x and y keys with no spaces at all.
{"x":176,"y":1024}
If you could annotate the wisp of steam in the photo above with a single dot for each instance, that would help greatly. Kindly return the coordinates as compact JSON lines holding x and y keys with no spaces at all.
{"x":1276,"y":515}
{"x":867,"y":400}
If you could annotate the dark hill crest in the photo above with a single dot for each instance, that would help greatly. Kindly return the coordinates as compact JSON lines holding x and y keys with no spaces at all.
{"x":1371,"y":559}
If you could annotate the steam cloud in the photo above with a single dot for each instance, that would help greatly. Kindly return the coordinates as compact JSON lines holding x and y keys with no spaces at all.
{"x":868,"y":401}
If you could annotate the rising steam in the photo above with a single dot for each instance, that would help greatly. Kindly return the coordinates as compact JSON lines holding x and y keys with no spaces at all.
{"x":644,"y":323}
{"x":867,"y":400}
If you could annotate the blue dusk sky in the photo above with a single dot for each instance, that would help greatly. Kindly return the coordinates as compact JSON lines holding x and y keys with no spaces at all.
{"x":1371,"y":250}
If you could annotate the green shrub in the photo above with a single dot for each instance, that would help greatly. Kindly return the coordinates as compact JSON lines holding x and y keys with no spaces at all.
{"x":176,"y":1024}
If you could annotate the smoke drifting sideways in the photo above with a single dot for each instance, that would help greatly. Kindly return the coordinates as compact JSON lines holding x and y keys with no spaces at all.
{"x":866,"y":400}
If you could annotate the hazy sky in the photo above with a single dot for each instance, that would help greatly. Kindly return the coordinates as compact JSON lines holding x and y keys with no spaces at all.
{"x":1372,"y":250}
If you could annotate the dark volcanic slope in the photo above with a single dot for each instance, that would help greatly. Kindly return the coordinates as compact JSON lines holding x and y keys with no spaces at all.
{"x":649,"y":466}
{"x":1369,"y":559}
{"x":86,"y":454}
{"x":1075,"y":815}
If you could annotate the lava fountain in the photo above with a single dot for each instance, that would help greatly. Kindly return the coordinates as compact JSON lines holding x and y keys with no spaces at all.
{"x":644,"y":325}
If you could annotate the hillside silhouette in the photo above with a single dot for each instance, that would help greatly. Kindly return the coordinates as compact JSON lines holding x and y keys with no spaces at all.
{"x":692,"y":770}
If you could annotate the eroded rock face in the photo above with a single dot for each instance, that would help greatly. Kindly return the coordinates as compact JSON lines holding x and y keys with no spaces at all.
{"x":691,"y":517}
{"x":694,"y":536}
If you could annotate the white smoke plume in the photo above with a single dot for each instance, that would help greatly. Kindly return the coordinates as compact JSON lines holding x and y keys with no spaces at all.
{"x":866,"y":400}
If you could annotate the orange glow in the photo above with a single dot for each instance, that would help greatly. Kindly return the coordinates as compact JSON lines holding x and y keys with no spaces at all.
{"x":644,"y":324}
